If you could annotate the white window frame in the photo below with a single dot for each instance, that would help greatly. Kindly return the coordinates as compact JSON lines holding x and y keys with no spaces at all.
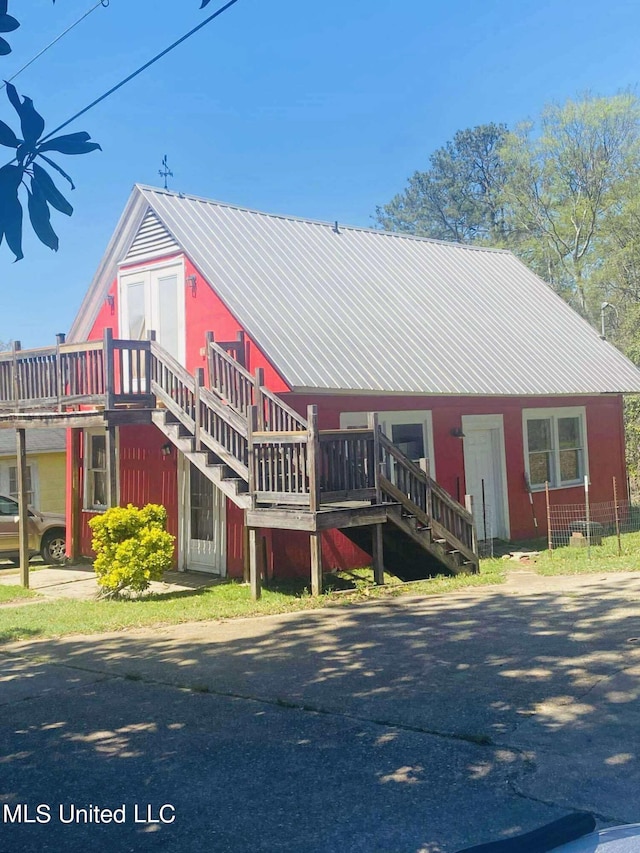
{"x":354,"y":420}
{"x":5,"y":479}
{"x":87,"y":505}
{"x":553,"y":414}
{"x":149,"y":275}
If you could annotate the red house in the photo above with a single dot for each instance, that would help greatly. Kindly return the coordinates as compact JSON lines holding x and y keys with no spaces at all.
{"x":477,"y":370}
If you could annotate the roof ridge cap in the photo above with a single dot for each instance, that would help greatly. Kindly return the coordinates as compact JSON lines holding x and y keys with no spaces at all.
{"x":325,"y":223}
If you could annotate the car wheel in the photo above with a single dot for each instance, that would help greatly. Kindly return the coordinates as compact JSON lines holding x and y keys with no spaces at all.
{"x":53,"y":547}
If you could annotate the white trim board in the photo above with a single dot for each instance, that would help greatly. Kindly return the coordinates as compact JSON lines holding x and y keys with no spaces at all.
{"x":471,"y":423}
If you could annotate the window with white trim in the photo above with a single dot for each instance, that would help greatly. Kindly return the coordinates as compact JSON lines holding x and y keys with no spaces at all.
{"x":411,"y":431}
{"x":555,"y":446}
{"x":95,"y":470}
{"x":13,"y":484}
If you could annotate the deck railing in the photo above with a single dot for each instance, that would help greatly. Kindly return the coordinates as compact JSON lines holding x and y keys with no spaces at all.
{"x":232,"y":382}
{"x":212,"y":424}
{"x":93,"y":373}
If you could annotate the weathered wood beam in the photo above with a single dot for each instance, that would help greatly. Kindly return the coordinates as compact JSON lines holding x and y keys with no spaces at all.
{"x":74,"y":497}
{"x":377,"y":554}
{"x":255,"y":578}
{"x":315,"y":541}
{"x":23,"y":510}
{"x":112,"y":466}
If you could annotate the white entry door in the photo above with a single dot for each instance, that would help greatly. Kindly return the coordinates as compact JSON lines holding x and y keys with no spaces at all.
{"x":485,"y":474}
{"x":153,"y":298}
{"x":205,"y":525}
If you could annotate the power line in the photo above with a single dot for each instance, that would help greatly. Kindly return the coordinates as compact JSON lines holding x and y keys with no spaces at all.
{"x":142,"y":68}
{"x":103,"y":3}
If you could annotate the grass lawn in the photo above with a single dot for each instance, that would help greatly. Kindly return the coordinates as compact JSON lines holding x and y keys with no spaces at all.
{"x":12,"y":593}
{"x":224,"y":601}
{"x":603,"y":558}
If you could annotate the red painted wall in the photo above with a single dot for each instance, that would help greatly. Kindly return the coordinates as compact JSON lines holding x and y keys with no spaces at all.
{"x":146,"y":476}
{"x":605,"y":436}
{"x":205,"y":312}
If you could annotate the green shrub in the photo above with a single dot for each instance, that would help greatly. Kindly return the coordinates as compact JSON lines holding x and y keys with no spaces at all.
{"x":132,"y":548}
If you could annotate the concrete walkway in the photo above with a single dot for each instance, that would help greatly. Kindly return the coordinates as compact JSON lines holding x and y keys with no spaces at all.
{"x":79,"y":582}
{"x":410,"y":725}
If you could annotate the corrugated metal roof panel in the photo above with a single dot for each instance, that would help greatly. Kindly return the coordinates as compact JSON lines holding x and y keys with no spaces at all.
{"x":367,"y":310}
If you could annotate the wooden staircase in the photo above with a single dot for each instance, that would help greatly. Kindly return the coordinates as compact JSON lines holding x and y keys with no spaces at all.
{"x":269,"y":460}
{"x":286,"y":473}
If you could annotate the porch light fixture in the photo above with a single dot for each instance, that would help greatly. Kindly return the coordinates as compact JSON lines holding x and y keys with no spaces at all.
{"x":192,"y":282}
{"x":456,"y":432}
{"x":111,"y":301}
{"x":165,"y":450}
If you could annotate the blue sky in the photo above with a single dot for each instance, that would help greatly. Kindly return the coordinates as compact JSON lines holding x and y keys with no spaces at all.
{"x":313,"y":109}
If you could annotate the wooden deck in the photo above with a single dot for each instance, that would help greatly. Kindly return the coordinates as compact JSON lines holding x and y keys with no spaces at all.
{"x":278,"y":466}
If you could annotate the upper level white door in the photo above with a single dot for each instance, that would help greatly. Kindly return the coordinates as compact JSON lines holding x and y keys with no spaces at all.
{"x":153,"y":298}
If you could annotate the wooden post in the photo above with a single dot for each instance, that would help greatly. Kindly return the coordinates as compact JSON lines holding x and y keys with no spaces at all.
{"x":199,"y":382}
{"x":587,"y":507}
{"x":246,"y":568}
{"x":15,"y":348}
{"x":252,"y":426}
{"x":549,"y":531}
{"x":74,"y":498}
{"x":22,"y":507}
{"x":315,"y":541}
{"x":254,"y":568}
{"x":109,"y":369}
{"x":209,"y":338}
{"x":112,"y":467}
{"x":424,"y":466}
{"x":60,"y":339}
{"x":241,"y":349}
{"x":258,"y":399}
{"x":615,"y":506}
{"x":372,"y":423}
{"x":148,"y":362}
{"x":313,"y":458}
{"x":468,"y":503}
{"x":377,"y":552}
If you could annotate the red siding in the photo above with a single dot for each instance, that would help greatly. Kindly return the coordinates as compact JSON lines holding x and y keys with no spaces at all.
{"x":206,"y":312}
{"x":605,"y":436}
{"x":146,"y":476}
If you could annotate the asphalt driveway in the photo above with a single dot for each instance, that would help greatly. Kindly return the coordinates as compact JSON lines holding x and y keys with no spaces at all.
{"x":405,"y":726}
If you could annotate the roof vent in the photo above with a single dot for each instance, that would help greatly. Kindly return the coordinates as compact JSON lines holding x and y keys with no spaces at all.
{"x":336,"y":229}
{"x":152,"y":240}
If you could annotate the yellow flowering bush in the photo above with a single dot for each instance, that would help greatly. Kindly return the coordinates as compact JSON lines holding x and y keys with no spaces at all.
{"x":132,"y":548}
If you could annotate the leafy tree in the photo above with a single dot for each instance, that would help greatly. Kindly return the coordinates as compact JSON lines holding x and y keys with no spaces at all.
{"x":563,"y":181}
{"x":458,"y":197}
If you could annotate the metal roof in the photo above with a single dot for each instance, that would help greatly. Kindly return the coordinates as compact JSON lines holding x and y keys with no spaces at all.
{"x":38,"y":441}
{"x":364,"y":310}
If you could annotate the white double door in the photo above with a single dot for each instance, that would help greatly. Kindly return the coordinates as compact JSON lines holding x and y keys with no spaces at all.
{"x":485,"y":474}
{"x":203,"y":522}
{"x":152,"y":298}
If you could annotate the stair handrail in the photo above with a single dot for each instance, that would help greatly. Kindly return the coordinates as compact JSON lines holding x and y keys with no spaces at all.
{"x":232,"y":382}
{"x":293,"y":422}
{"x":241,"y":390}
{"x":448,"y":518}
{"x":227,"y":414}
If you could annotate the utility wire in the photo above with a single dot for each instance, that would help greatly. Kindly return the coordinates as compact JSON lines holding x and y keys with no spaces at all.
{"x":142,"y":68}
{"x":103,"y":3}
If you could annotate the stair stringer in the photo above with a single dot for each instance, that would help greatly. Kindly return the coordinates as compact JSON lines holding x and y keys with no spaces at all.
{"x":231,"y":486}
